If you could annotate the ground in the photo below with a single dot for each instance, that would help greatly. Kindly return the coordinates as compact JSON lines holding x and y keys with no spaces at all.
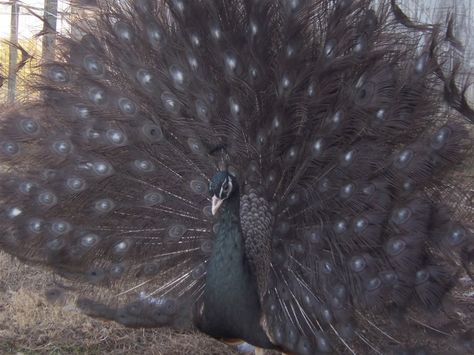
{"x":31,"y":325}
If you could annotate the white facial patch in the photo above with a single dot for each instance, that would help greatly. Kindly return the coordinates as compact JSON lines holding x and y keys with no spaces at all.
{"x":226,"y":188}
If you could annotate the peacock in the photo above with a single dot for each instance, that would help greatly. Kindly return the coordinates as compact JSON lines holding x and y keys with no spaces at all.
{"x":287,"y":173}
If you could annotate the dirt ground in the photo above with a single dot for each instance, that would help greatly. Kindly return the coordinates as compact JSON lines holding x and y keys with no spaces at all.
{"x":30,"y":325}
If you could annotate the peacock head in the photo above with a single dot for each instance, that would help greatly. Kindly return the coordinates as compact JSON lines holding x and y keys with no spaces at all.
{"x":222,"y":186}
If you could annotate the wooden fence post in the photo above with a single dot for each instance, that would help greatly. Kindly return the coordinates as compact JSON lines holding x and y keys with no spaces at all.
{"x":13,"y":55}
{"x":49,"y":28}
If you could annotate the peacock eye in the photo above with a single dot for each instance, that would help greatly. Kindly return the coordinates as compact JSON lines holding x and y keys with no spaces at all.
{"x":225,"y":187}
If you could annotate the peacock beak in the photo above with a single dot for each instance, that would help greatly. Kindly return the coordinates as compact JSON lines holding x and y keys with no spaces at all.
{"x":216,"y":203}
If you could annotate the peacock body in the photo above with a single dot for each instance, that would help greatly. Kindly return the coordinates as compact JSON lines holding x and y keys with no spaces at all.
{"x":288,"y":173}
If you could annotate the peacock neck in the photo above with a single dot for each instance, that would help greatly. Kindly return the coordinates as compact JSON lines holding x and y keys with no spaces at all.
{"x":229,"y":232}
{"x":227,"y":265}
{"x":231,"y":305}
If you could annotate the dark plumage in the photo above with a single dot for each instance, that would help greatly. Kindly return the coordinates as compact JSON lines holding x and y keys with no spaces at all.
{"x":283,"y":172}
{"x":230,"y":307}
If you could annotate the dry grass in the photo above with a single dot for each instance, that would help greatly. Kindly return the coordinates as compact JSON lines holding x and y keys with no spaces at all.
{"x":29,"y":324}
